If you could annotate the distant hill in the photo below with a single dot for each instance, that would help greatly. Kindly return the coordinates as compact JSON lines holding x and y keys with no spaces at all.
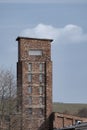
{"x":68,"y":108}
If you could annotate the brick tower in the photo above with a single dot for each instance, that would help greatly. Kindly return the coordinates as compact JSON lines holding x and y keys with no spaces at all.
{"x":34,"y":83}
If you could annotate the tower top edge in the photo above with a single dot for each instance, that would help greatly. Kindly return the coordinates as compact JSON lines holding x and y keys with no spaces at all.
{"x":42,"y":39}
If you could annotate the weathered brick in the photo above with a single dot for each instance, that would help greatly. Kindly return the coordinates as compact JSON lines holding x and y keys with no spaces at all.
{"x":36,"y":121}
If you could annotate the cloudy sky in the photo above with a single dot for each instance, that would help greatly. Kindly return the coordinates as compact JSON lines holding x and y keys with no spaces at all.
{"x":65,"y":21}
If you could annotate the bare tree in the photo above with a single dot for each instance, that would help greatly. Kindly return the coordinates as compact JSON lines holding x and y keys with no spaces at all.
{"x":7,"y":97}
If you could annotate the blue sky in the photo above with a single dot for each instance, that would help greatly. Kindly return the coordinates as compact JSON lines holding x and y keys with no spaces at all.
{"x":65,"y":21}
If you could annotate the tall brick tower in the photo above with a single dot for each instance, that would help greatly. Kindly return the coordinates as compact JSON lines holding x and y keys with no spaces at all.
{"x":34,"y":82}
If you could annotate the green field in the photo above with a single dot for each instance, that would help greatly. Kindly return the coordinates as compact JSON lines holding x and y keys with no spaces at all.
{"x":68,"y":108}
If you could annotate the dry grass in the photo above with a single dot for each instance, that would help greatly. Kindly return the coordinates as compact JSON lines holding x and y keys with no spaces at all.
{"x":68,"y":107}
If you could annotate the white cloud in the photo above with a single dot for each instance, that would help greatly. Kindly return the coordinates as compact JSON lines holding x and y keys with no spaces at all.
{"x":66,"y":35}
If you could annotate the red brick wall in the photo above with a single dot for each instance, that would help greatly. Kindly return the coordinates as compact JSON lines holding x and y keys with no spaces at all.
{"x":68,"y":121}
{"x":34,"y":121}
{"x":63,"y":120}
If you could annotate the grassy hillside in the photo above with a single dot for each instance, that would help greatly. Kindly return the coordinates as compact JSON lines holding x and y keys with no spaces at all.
{"x":68,"y":107}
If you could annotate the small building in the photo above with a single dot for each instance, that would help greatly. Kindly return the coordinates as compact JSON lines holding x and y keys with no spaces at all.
{"x":64,"y":120}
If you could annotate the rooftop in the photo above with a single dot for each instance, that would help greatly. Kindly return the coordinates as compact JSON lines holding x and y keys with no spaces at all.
{"x":43,"y":39}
